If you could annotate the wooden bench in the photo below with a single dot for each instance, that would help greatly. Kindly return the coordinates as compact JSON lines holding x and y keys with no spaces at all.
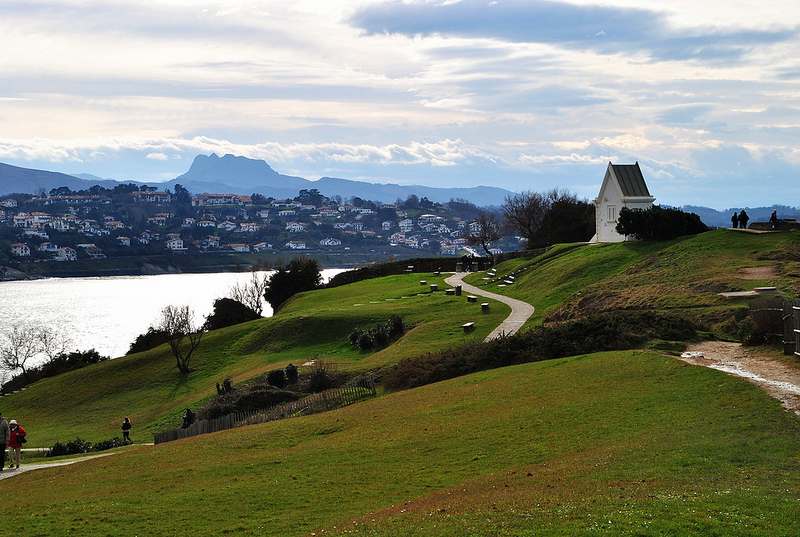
{"x":423,"y":282}
{"x":485,"y":307}
{"x":468,"y":327}
{"x":434,"y":287}
{"x":450,"y":292}
{"x":472,"y":298}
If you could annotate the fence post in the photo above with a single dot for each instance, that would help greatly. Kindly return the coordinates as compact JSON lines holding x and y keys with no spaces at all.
{"x":788,"y":327}
{"x":796,"y":311}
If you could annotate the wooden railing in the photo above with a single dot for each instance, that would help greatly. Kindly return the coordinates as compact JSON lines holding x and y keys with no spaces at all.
{"x":353,"y":392}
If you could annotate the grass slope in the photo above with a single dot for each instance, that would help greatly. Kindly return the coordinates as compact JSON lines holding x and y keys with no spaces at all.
{"x":686,"y":274}
{"x":630,"y":443}
{"x":90,"y":403}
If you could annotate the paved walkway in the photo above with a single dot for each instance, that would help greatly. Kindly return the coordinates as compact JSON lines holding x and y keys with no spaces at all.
{"x":520,"y":311}
{"x":5,"y":474}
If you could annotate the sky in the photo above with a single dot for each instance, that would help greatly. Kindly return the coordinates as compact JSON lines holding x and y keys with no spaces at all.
{"x":524,"y":95}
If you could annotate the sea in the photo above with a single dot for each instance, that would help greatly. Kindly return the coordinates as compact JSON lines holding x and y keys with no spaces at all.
{"x":108,"y":313}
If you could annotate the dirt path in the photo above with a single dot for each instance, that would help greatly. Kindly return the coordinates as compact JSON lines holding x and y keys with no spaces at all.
{"x":520,"y":311}
{"x":781,"y":379}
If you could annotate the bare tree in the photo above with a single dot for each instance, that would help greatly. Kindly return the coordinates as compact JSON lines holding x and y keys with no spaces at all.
{"x":184,"y":335}
{"x":525,"y":212}
{"x":488,"y":231}
{"x":53,"y":341}
{"x":251,"y":294}
{"x":21,"y":344}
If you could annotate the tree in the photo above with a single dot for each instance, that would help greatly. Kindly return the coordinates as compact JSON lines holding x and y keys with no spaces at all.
{"x":301,"y":274}
{"x":228,"y":312}
{"x":21,"y":344}
{"x":658,"y":223}
{"x":53,"y":341}
{"x":182,"y":195}
{"x":489,"y":231}
{"x":538,"y":217}
{"x":251,"y":294}
{"x":568,"y":220}
{"x":178,"y":323}
{"x":524,"y":212}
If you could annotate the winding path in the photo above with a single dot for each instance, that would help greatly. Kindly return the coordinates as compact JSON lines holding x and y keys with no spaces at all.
{"x":520,"y":311}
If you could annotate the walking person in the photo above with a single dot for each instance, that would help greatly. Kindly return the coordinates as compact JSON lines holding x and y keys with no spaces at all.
{"x":5,"y":437}
{"x":126,"y":431}
{"x":743,"y":218}
{"x":735,"y":220}
{"x":15,"y":443}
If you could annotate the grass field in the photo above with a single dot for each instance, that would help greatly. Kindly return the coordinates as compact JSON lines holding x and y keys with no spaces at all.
{"x":630,"y":443}
{"x":626,"y":443}
{"x":90,"y":403}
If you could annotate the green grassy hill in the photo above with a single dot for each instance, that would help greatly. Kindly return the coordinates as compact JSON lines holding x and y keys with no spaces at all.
{"x":631,"y":443}
{"x":628,"y":443}
{"x":685,"y":274}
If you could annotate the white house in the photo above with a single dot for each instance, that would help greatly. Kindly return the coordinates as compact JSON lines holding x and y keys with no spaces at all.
{"x":623,"y":186}
{"x":20,"y":249}
{"x":66,"y":254}
{"x":239,"y":247}
{"x":296,"y":245}
{"x":175,"y":244}
{"x":330,"y":241}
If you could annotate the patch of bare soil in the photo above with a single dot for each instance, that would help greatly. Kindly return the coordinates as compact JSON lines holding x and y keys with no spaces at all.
{"x":780,"y":379}
{"x":758,"y":273}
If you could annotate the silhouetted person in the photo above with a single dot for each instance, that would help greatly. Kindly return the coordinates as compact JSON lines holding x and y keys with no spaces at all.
{"x":188,"y":418}
{"x":774,"y":219}
{"x":735,"y":220}
{"x":743,"y":218}
{"x":126,"y":431}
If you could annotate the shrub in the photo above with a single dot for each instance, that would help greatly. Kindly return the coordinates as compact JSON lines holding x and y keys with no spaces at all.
{"x":276,"y":378}
{"x":254,"y":395}
{"x":228,"y":312}
{"x":292,"y":374}
{"x":617,"y":330}
{"x":149,"y":340}
{"x":379,"y":335}
{"x":77,"y":446}
{"x":658,"y":223}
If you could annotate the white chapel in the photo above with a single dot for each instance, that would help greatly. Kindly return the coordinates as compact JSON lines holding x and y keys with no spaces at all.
{"x":623,"y":186}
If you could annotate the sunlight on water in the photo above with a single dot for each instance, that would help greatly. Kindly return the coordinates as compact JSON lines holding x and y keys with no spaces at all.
{"x":108,"y":313}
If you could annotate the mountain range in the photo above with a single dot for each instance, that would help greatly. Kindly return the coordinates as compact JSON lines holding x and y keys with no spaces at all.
{"x":240,"y":175}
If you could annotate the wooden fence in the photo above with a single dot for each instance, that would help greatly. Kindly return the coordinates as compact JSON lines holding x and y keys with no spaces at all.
{"x":353,"y":392}
{"x":791,"y":327}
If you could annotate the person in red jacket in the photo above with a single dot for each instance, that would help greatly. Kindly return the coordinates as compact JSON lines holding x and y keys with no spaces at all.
{"x":15,"y":443}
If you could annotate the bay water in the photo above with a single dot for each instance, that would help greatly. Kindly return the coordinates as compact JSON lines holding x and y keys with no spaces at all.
{"x":107,"y":313}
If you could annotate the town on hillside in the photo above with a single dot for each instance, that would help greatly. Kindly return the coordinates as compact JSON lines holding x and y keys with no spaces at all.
{"x":131,"y":220}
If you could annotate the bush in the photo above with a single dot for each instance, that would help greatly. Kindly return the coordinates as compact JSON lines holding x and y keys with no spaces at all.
{"x":255,"y":395}
{"x":228,"y":312}
{"x":379,"y":335}
{"x":616,"y":330}
{"x":77,"y":446}
{"x":658,"y":224}
{"x":292,"y":374}
{"x":276,"y":378}
{"x":149,"y":340}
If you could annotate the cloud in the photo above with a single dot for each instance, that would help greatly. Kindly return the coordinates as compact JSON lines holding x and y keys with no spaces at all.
{"x":602,"y":28}
{"x":157,"y":156}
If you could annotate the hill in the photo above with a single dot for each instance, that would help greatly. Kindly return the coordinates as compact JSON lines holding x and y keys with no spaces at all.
{"x":240,"y":175}
{"x":14,"y":179}
{"x":567,"y":282}
{"x":624,"y":442}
